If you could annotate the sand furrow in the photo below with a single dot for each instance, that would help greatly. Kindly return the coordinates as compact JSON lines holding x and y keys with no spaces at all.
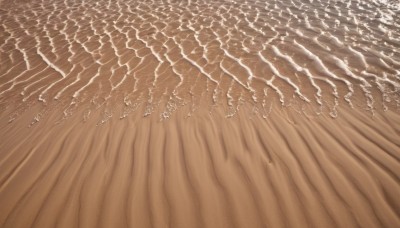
{"x":165,"y":113}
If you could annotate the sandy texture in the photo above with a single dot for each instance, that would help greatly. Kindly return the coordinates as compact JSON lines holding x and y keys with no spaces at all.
{"x":289,"y":170}
{"x":228,"y":113}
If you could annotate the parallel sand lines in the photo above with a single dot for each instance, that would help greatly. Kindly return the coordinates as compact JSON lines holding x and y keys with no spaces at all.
{"x":316,"y":52}
{"x":173,"y":71}
{"x":204,"y":171}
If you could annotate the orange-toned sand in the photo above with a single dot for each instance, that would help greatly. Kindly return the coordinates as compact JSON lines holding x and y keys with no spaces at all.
{"x":199,"y":113}
{"x":288,"y":170}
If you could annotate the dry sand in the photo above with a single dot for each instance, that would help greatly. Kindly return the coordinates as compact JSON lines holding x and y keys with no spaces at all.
{"x":288,"y":170}
{"x":281,"y":113}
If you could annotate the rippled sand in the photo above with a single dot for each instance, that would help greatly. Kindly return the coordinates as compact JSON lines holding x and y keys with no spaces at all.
{"x":199,"y":113}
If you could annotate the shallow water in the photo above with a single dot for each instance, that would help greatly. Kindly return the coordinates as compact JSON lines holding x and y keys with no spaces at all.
{"x":68,"y":67}
{"x":326,"y":53}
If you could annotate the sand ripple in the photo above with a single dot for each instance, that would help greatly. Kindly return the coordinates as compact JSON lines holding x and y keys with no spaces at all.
{"x":205,"y":171}
{"x":319,"y":52}
{"x":280,"y":69}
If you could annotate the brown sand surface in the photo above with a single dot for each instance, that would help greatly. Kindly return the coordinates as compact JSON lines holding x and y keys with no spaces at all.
{"x":289,"y":170}
{"x":199,"y":113}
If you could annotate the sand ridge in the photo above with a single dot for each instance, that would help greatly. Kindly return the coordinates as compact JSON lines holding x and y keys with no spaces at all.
{"x":322,"y":53}
{"x":204,"y":171}
{"x":202,"y":113}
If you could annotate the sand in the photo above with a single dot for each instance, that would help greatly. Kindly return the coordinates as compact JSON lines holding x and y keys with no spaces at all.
{"x":288,"y":170}
{"x":199,"y":113}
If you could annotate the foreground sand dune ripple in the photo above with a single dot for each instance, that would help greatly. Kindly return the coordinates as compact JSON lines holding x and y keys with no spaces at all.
{"x":199,"y":113}
{"x":203,"y":171}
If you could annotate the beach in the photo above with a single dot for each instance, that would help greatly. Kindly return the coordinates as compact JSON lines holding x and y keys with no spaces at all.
{"x":199,"y":113}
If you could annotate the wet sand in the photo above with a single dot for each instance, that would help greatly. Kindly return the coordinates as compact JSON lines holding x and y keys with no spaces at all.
{"x":199,"y":113}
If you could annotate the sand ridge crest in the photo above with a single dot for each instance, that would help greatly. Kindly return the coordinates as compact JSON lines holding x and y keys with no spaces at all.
{"x":202,"y":113}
